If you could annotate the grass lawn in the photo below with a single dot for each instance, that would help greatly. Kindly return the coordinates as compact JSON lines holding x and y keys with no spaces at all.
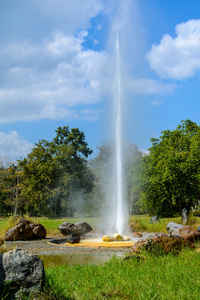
{"x":138,"y":223}
{"x":164,"y":277}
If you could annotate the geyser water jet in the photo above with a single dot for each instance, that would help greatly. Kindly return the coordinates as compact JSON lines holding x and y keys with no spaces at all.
{"x":118,"y":166}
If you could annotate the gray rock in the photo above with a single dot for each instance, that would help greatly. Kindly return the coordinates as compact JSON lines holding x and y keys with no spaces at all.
{"x":154,"y":219}
{"x":184,"y":216}
{"x":21,"y":274}
{"x":198,"y":229}
{"x":79,"y":228}
{"x":171,"y":226}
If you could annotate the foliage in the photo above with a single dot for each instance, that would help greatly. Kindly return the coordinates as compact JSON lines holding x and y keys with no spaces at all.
{"x":54,"y":170}
{"x":10,"y":188}
{"x":102,"y":167}
{"x":171,"y":172}
{"x":132,"y":172}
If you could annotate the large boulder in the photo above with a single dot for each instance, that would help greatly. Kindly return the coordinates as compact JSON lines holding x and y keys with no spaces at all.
{"x":187,"y":233}
{"x":79,"y":228}
{"x":182,"y":231}
{"x":161,"y":243}
{"x":171,"y":226}
{"x":21,"y":274}
{"x":25,"y":230}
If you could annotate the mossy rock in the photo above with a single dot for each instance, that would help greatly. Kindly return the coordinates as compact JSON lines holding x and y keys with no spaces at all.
{"x":162,"y":244}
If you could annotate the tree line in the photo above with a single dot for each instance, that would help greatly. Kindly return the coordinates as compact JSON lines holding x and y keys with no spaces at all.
{"x":58,"y":177}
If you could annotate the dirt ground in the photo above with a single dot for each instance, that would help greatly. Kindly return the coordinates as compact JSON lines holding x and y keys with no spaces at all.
{"x":45,"y":247}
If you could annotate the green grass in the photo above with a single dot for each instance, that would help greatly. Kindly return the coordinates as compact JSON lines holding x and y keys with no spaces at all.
{"x":51,"y":225}
{"x":141,"y":223}
{"x":166,"y":277}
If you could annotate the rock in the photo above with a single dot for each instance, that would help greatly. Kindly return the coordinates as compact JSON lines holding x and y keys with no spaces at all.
{"x":24,"y":221}
{"x":137,"y":234}
{"x":73,"y":239}
{"x":21,"y":274}
{"x":187,"y":233}
{"x":184,"y":216}
{"x":107,"y":238}
{"x":39,"y":231}
{"x":171,"y":226}
{"x":198,"y":229}
{"x":25,"y":230}
{"x":126,"y":238}
{"x":118,"y":237}
{"x":21,"y":232}
{"x":161,"y":243}
{"x":79,"y":228}
{"x":154,"y":219}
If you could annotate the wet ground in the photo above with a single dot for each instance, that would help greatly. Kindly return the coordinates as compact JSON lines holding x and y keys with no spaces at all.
{"x":90,"y":250}
{"x":57,"y":254}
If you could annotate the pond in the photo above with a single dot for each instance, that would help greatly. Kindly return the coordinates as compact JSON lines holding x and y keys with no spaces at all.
{"x":76,"y":258}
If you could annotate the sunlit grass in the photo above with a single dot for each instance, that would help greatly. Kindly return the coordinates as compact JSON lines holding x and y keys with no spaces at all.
{"x":51,"y":225}
{"x":165,"y":277}
{"x":142,"y":223}
{"x":137,"y":223}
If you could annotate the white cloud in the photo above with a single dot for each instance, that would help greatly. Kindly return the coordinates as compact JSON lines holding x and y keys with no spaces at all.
{"x":177,"y":58}
{"x":47,"y":81}
{"x":13,"y":145}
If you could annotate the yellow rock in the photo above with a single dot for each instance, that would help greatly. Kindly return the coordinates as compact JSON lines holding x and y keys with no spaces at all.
{"x":118,"y":237}
{"x":126,"y":238}
{"x":107,"y":238}
{"x":104,"y":238}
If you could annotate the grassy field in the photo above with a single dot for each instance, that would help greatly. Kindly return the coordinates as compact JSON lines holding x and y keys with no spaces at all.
{"x":164,"y":277}
{"x":152,"y":277}
{"x":137,"y":223}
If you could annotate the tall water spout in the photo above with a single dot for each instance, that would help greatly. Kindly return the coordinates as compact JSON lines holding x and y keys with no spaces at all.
{"x":119,"y":193}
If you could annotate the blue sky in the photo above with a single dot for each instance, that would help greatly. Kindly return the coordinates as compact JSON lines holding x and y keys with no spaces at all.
{"x":57,"y":68}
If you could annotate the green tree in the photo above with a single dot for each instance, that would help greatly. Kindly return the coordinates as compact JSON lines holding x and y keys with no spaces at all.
{"x":171,"y":173}
{"x":54,"y":170}
{"x":102,"y":167}
{"x":133,"y":167}
{"x":10,"y":186}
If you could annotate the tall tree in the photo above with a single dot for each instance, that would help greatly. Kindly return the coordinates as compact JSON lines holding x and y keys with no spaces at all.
{"x":171,"y":175}
{"x":10,"y":186}
{"x":53,"y":170}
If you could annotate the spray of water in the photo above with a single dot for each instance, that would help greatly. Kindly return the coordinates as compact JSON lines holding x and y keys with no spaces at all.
{"x":119,"y":194}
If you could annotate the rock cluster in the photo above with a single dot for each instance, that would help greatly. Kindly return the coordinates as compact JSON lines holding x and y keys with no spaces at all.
{"x":159,"y":243}
{"x":115,"y":237}
{"x":25,"y":230}
{"x":185,"y":232}
{"x":21,"y":274}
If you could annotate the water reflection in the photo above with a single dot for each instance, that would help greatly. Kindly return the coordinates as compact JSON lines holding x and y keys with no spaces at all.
{"x":72,"y":259}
